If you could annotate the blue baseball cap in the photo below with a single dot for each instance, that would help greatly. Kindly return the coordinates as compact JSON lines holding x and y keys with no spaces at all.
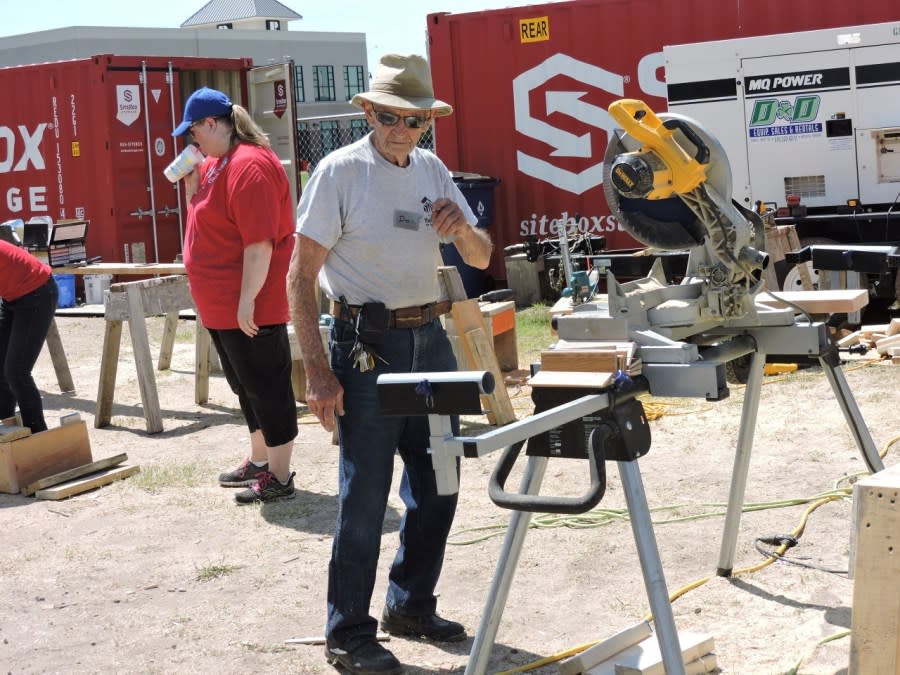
{"x":204,"y":102}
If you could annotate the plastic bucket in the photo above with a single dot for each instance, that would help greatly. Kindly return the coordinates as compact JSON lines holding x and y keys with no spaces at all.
{"x":94,"y":286}
{"x":66,"y":285}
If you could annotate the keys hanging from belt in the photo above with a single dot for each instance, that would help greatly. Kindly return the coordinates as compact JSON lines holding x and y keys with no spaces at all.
{"x":363,"y":356}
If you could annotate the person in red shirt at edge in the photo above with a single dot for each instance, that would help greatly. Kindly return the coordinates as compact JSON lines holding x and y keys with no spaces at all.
{"x":238,"y":244}
{"x":28,"y":296}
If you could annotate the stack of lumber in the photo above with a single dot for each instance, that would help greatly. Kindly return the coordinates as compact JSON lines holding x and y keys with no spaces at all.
{"x":56,"y":463}
{"x":884,"y":338}
{"x":635,"y":651}
{"x":586,"y":363}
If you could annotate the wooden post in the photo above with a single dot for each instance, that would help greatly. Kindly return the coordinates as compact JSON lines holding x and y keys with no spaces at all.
{"x":875,"y":634}
{"x":170,"y":328}
{"x":58,"y":357}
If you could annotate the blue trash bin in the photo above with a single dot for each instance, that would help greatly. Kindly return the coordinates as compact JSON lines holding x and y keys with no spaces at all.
{"x":65,"y":283}
{"x":479,"y":194}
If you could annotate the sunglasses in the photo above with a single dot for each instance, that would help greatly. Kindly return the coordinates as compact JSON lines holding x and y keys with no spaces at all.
{"x":390,"y":119}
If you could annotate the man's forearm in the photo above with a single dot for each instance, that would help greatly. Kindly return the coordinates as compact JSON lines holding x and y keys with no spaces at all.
{"x":475,"y":248}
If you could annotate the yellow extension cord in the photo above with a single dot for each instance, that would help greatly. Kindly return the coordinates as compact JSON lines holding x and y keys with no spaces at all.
{"x":658,"y":410}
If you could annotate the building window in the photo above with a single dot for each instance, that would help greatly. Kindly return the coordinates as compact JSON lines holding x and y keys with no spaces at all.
{"x":323,"y":83}
{"x":358,"y":129}
{"x":299,"y":96}
{"x":331,"y":139}
{"x":354,"y":81}
{"x":224,"y":26}
{"x":273,"y":24}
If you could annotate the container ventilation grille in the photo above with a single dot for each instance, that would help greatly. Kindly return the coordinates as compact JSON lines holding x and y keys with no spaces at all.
{"x":804,"y":186}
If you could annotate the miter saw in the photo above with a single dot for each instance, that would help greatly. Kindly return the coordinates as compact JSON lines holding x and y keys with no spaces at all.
{"x":669,"y":183}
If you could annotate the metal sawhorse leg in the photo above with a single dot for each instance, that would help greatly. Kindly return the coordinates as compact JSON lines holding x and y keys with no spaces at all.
{"x":831,"y":366}
{"x":651,"y":567}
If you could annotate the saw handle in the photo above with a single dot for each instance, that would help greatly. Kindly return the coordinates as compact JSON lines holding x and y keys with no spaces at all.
{"x":549,"y":504}
{"x":702,"y":154}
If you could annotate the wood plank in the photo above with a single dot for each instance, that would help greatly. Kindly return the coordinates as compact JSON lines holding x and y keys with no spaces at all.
{"x":564,"y":378}
{"x":59,"y":359}
{"x":601,"y":651}
{"x":203,"y":352}
{"x":581,"y":360}
{"x":87,"y":483}
{"x":482,"y":350}
{"x":109,"y":366}
{"x":645,"y":657}
{"x":77,"y":472}
{"x":886,"y":343}
{"x":122,"y":268}
{"x":12,"y":432}
{"x":140,"y":344}
{"x":43,"y":454}
{"x":818,"y":302}
{"x":158,"y":296}
{"x":167,"y":343}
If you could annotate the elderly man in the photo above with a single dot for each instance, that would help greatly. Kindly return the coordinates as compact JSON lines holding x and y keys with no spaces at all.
{"x":370,"y":223}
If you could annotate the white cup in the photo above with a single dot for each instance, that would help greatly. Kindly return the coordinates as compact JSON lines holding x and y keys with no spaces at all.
{"x":184,"y":163}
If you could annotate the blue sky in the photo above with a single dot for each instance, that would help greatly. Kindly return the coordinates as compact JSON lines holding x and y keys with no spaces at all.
{"x":391,"y":26}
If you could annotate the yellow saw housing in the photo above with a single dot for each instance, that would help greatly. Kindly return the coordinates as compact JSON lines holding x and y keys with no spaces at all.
{"x":661,"y":168}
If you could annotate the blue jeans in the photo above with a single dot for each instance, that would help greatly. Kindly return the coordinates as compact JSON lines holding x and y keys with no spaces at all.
{"x":369,"y":442}
{"x":24,"y":323}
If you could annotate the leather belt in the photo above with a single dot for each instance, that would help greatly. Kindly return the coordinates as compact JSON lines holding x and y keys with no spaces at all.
{"x":404,"y":317}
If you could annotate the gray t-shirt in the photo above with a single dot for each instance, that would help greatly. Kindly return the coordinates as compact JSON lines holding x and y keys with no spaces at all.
{"x":375,"y":219}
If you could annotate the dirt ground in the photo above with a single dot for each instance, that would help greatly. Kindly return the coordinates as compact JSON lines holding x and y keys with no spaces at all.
{"x":163,"y":573}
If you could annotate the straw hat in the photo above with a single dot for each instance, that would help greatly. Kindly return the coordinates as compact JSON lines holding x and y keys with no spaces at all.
{"x":403,"y":81}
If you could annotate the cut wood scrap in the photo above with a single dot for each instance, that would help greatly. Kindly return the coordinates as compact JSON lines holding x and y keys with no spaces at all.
{"x":77,"y":472}
{"x":871,"y":329}
{"x":90,"y":482}
{"x":818,"y":302}
{"x":12,"y":432}
{"x":893,"y":327}
{"x":601,"y":651}
{"x":851,"y":339}
{"x":645,"y":657}
{"x":566,"y":378}
{"x":320,"y":640}
{"x":886,"y":343}
{"x":582,"y":360}
{"x":708,"y":663}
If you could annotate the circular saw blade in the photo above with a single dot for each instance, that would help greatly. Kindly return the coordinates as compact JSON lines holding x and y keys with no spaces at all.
{"x":666,"y":224}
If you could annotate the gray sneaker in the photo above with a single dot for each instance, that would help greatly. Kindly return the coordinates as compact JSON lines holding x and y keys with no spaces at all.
{"x":266,"y":488}
{"x":242,"y":476}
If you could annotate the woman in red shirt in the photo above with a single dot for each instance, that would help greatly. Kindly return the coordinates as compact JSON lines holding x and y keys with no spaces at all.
{"x":238,"y":244}
{"x":27,"y":303}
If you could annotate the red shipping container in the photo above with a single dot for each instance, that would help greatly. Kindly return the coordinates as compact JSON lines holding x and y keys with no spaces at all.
{"x":89,"y":139}
{"x":530,"y":87}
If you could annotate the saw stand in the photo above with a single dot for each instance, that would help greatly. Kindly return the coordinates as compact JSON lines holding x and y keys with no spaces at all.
{"x":453,"y":393}
{"x":774,"y":340}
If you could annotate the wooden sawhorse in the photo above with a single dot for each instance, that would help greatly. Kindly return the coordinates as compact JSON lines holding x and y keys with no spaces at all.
{"x":133,"y":302}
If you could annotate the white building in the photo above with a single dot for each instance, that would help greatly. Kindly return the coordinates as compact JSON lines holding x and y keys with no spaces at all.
{"x":329,"y":68}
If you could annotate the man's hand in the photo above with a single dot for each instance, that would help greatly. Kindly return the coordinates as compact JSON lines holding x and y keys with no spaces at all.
{"x":324,"y":397}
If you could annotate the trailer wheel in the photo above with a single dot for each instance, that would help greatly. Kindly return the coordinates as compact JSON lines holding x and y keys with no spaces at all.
{"x":792,"y":280}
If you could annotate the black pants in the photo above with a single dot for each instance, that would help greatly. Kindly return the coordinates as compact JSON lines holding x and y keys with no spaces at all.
{"x":24,"y":323}
{"x":258,"y":370}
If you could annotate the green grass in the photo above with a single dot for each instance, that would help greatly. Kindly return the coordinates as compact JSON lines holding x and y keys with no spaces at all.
{"x":215,"y":571}
{"x":532,"y":333}
{"x":153,"y":477}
